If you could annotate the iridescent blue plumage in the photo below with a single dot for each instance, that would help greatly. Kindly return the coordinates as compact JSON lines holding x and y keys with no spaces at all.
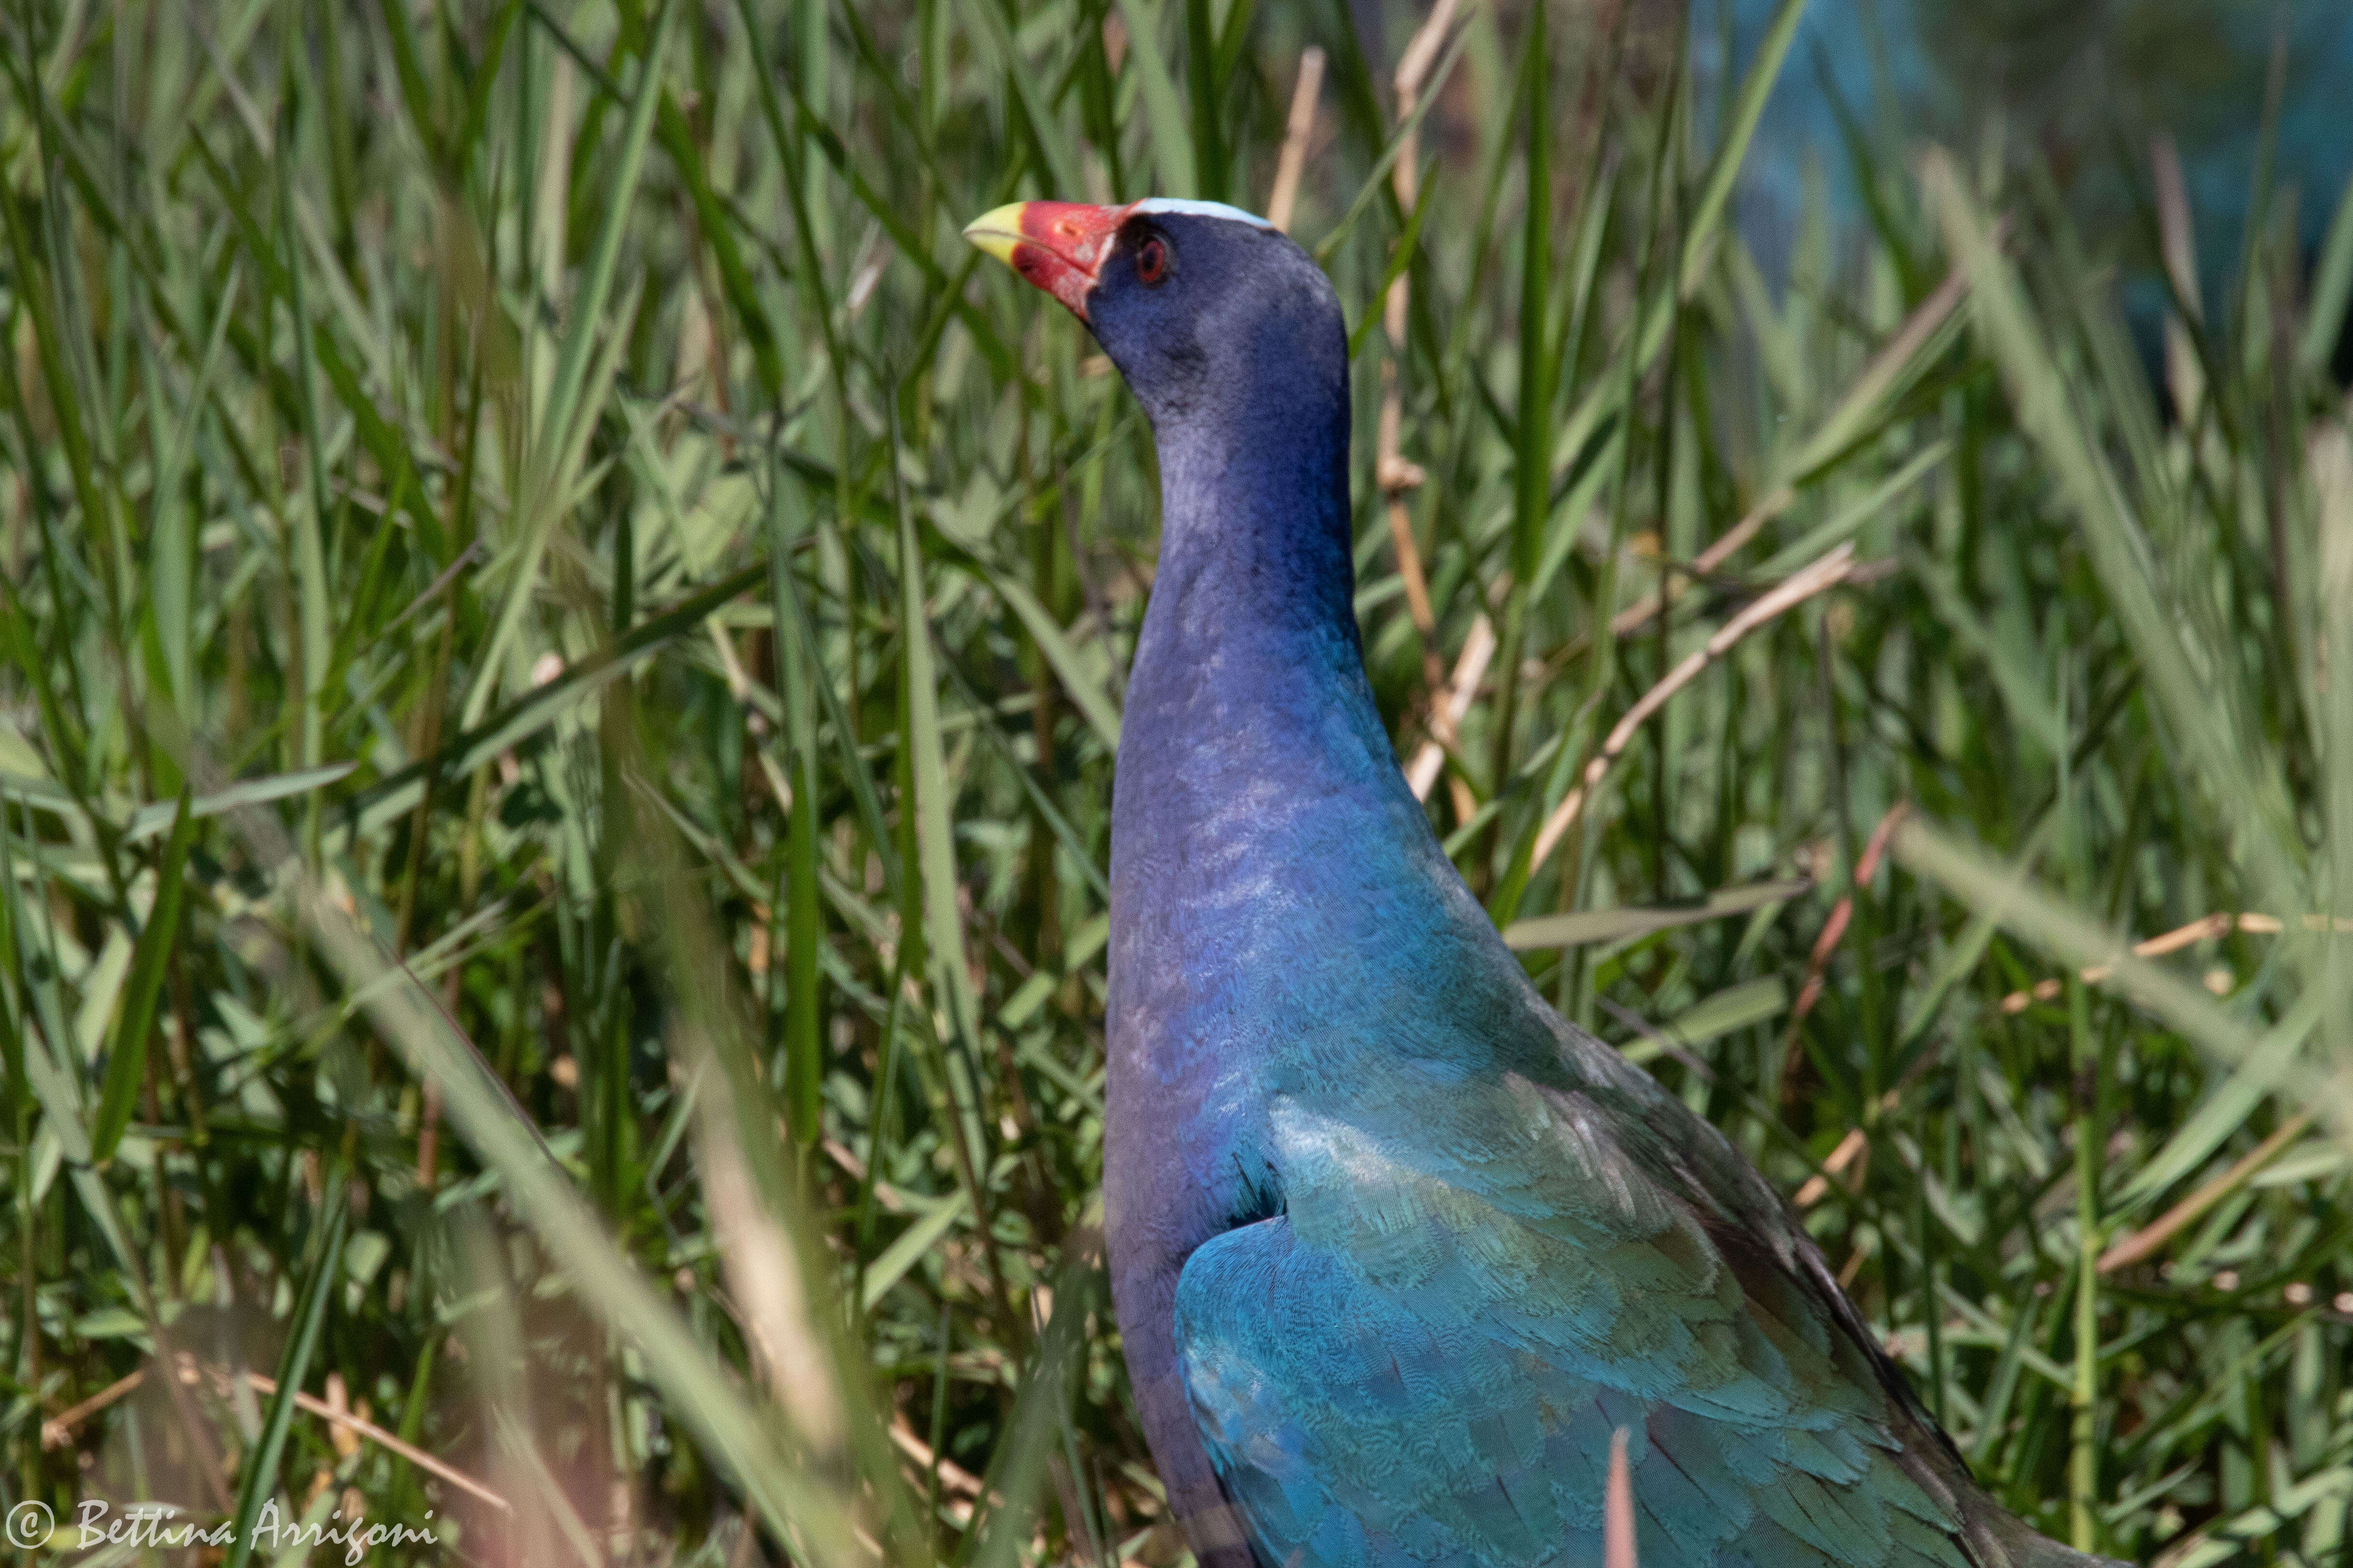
{"x":1396,"y":1250}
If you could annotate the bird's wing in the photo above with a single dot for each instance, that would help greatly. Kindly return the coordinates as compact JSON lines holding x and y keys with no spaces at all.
{"x":1423,"y":1359}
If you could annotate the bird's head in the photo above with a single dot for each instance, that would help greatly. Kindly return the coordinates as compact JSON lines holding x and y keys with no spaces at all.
{"x":1205,"y":310}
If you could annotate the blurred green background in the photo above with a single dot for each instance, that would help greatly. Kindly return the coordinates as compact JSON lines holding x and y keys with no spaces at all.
{"x":560,"y":645}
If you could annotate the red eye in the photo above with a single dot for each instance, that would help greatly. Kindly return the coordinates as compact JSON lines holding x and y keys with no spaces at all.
{"x":1152,"y":262}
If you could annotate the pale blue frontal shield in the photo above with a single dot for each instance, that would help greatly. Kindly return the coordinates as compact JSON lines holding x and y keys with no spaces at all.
{"x":1174,"y":206}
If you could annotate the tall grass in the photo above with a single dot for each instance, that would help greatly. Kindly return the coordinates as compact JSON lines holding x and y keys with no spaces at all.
{"x":560,"y":653}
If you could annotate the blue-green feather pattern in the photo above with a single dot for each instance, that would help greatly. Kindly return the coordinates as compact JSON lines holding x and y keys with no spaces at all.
{"x":1423,"y":1359}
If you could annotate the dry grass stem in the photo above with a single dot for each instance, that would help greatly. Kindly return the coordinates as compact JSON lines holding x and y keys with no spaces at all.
{"x":1818,"y":1185}
{"x":2183,"y":376}
{"x":766,"y":1281}
{"x":2142,"y":1243}
{"x":1885,"y":366}
{"x":1833,"y":930}
{"x":2204,"y":928}
{"x":1395,"y":476}
{"x":1453,"y":702}
{"x":1298,"y":131}
{"x":953,"y":1476}
{"x":1617,"y":1508}
{"x":58,"y":1430}
{"x":1825,"y":573}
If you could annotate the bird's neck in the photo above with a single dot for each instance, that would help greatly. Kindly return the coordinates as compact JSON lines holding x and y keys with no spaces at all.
{"x":1266,"y":853}
{"x":1282,"y":915}
{"x":1252,"y":610}
{"x":1249,"y":717}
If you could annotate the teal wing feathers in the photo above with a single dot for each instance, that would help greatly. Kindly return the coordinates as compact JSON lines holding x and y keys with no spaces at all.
{"x":1423,"y":1359}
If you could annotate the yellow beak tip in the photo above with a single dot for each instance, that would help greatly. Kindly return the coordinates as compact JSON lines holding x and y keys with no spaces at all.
{"x":996,"y":232}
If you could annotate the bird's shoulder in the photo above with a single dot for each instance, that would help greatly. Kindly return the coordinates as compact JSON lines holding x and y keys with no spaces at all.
{"x":1487,"y":1088}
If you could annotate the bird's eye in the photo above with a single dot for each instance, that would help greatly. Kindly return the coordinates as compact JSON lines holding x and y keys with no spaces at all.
{"x":1152,"y":261}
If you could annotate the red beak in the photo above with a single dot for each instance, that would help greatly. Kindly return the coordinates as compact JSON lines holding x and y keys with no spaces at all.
{"x":1060,"y":247}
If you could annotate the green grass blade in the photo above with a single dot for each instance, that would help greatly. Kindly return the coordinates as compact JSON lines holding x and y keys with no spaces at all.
{"x":2200,"y":712}
{"x":1201,"y":84}
{"x":1736,"y":1007}
{"x":2228,"y":1107}
{"x":126,"y":1066}
{"x":2332,"y":288}
{"x":1172,"y":141}
{"x":312,"y":518}
{"x":910,"y":1245}
{"x":1092,"y":702}
{"x":1657,"y":313}
{"x":557,"y":432}
{"x":1740,"y":129}
{"x":257,"y":1481}
{"x":1531,"y":466}
{"x":934,"y":838}
{"x":804,"y":1040}
{"x":1061,"y":173}
{"x":1587,"y":926}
